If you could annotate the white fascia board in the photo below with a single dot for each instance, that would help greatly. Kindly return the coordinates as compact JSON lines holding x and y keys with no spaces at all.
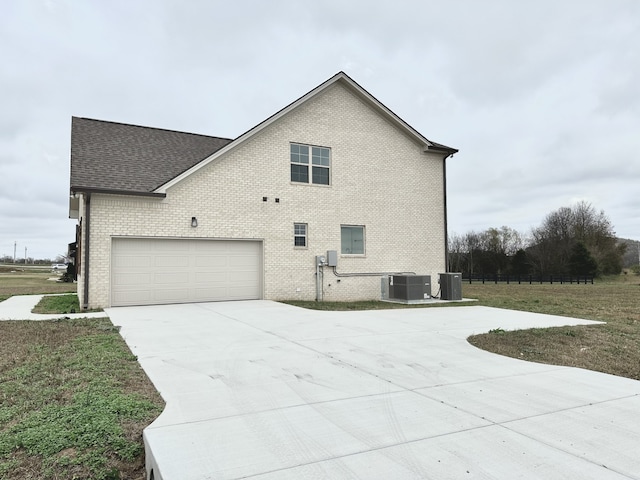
{"x":341,"y":76}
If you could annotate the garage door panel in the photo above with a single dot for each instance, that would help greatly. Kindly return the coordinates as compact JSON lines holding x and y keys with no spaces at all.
{"x":173,"y":278}
{"x":169,"y":295}
{"x":210,"y":278}
{"x":212,"y":261}
{"x":126,"y":297}
{"x":133,"y":261}
{"x":170,"y":261}
{"x":157,"y":271}
{"x":133,"y":279}
{"x":243,"y":277}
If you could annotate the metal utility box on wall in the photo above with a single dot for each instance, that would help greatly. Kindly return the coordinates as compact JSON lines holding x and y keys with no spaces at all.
{"x":409,"y":287}
{"x":332,"y":258}
{"x":451,"y":286}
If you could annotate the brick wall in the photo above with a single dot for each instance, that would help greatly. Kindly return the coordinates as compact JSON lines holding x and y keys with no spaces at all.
{"x":380,"y":178}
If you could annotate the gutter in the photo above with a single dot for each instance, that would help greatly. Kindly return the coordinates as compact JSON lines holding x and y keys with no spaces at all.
{"x":87,"y":243}
{"x":446,"y":220}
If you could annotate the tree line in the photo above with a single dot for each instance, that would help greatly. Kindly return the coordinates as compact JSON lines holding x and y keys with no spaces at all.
{"x":576,"y":240}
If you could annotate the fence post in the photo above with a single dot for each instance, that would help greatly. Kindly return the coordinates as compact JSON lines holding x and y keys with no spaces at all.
{"x":550,"y":279}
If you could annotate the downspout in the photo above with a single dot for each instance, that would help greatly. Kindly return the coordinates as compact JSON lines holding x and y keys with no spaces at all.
{"x":87,"y":243}
{"x":446,"y":225}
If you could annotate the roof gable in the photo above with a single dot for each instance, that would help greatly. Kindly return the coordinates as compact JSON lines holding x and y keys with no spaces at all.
{"x":116,"y":157}
{"x":339,"y":77}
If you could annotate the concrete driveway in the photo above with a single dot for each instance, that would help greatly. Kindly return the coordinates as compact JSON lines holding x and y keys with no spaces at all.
{"x":263,"y":390}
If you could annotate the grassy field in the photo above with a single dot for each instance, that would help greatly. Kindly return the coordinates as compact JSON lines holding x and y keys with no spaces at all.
{"x":73,"y":399}
{"x":30,"y":282}
{"x":612,"y":348}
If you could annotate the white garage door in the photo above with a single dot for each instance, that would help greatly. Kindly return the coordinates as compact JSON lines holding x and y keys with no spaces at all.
{"x":157,"y":271}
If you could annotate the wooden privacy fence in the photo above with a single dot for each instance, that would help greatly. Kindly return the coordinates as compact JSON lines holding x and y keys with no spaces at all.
{"x":530,"y":279}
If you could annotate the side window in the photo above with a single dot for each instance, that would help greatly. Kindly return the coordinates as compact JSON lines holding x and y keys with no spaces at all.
{"x":299,"y":163}
{"x":299,"y":234}
{"x":304,"y":156}
{"x":352,"y":240}
{"x":320,"y":165}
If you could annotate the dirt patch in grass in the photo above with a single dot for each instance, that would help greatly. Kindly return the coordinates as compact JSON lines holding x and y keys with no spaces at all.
{"x":73,"y":402}
{"x":612,"y":348}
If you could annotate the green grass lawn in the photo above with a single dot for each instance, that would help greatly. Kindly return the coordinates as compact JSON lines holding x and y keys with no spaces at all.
{"x":58,"y":304}
{"x":73,"y":399}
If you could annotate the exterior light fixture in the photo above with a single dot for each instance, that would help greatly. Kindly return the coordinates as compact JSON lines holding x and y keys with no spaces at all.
{"x":194,"y":222}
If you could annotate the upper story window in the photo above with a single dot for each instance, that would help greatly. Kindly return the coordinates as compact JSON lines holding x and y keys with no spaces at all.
{"x":305,"y":156}
{"x":352,"y":239}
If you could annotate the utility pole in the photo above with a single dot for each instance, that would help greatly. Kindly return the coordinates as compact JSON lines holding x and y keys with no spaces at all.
{"x":15,"y":244}
{"x":25,"y":256}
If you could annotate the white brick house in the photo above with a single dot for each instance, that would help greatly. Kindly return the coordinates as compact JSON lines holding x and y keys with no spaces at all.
{"x":170,"y":217}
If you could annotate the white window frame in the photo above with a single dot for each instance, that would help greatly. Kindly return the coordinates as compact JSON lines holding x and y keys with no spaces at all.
{"x":364,"y":243}
{"x":316,"y":158}
{"x":304,"y":235}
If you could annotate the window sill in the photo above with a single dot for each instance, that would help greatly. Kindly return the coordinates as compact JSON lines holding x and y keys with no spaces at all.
{"x":310,"y":184}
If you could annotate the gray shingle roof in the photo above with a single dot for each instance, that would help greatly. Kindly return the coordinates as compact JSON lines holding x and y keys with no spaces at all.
{"x":117,"y":157}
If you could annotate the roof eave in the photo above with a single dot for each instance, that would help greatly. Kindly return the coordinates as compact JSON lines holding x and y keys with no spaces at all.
{"x":441,"y":149}
{"x":107,"y":191}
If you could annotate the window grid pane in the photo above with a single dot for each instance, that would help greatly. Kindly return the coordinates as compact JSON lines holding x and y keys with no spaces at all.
{"x":299,"y":154}
{"x":299,"y":173}
{"x":320,"y":175}
{"x":320,"y":156}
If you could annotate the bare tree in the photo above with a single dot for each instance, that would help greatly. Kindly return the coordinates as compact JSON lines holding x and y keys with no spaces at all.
{"x":553,"y":241}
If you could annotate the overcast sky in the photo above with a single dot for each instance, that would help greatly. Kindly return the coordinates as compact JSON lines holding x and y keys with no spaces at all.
{"x":542,"y":98}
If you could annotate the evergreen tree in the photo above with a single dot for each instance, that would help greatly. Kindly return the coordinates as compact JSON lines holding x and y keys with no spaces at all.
{"x":520,"y":263}
{"x":581,"y":262}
